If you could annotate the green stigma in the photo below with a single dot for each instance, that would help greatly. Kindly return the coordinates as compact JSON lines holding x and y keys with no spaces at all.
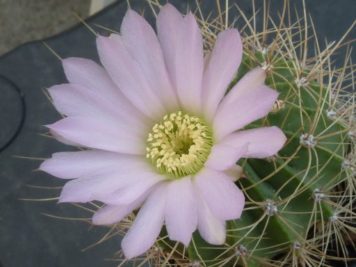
{"x":179,"y":144}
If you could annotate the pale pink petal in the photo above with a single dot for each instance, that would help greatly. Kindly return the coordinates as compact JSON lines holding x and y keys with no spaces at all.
{"x":128,"y":76}
{"x":105,"y":182}
{"x":147,"y":225}
{"x":61,"y":139}
{"x":181,"y":211}
{"x":250,"y":81}
{"x":70,"y":100}
{"x":99,"y":133}
{"x":68,"y":165}
{"x":223,"y":197}
{"x":221,"y":69}
{"x":210,"y":227}
{"x":262,"y":142}
{"x":250,"y":106}
{"x":142,"y":43}
{"x":76,"y":100}
{"x":90,"y":75}
{"x":86,"y":189}
{"x":110,"y":214}
{"x":126,"y":194}
{"x":224,"y":156}
{"x":182,"y":46}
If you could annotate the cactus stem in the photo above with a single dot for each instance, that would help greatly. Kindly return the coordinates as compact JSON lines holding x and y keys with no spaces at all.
{"x":262,"y":234}
{"x":291,"y":226}
{"x":266,"y":178}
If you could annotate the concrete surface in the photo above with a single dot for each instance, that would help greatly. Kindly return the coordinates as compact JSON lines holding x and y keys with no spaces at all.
{"x":26,"y":20}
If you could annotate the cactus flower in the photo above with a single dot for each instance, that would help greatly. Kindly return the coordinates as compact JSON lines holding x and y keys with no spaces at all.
{"x":161,"y":133}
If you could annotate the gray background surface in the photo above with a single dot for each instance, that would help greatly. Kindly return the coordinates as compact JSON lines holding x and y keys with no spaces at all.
{"x":26,"y":20}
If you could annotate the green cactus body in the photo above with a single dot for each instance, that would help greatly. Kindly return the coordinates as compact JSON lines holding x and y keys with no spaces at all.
{"x":289,"y":196}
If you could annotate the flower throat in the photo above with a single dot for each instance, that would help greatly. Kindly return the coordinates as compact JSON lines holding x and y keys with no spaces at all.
{"x":179,"y":144}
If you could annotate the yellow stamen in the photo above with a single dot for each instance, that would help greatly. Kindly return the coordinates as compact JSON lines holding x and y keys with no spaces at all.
{"x":179,"y":145}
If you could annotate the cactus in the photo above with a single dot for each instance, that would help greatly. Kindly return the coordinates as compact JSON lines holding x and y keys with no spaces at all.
{"x":300,"y":203}
{"x":299,"y":208}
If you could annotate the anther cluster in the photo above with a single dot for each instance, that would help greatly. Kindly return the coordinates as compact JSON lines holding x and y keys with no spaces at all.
{"x":179,"y":145}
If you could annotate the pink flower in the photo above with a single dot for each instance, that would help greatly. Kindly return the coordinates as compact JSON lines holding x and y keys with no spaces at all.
{"x":159,"y":129}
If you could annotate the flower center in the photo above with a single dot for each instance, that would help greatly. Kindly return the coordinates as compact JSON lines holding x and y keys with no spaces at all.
{"x":179,"y":144}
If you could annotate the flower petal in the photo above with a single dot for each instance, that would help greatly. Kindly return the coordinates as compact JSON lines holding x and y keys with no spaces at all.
{"x":128,"y":76}
{"x":69,"y":165}
{"x":147,"y":225}
{"x":69,"y":99}
{"x":182,"y":46}
{"x":76,"y":100}
{"x":86,"y":189}
{"x":126,"y":194}
{"x":106,"y":181}
{"x":89,"y":74}
{"x":222,"y":196}
{"x":95,"y":79}
{"x":250,"y":81}
{"x":224,"y":156}
{"x":210,"y":228}
{"x":100,"y":134}
{"x":247,"y":108}
{"x":110,"y":214}
{"x":262,"y":142}
{"x":142,"y":43}
{"x":221,"y":68}
{"x":181,"y":211}
{"x":61,"y":139}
